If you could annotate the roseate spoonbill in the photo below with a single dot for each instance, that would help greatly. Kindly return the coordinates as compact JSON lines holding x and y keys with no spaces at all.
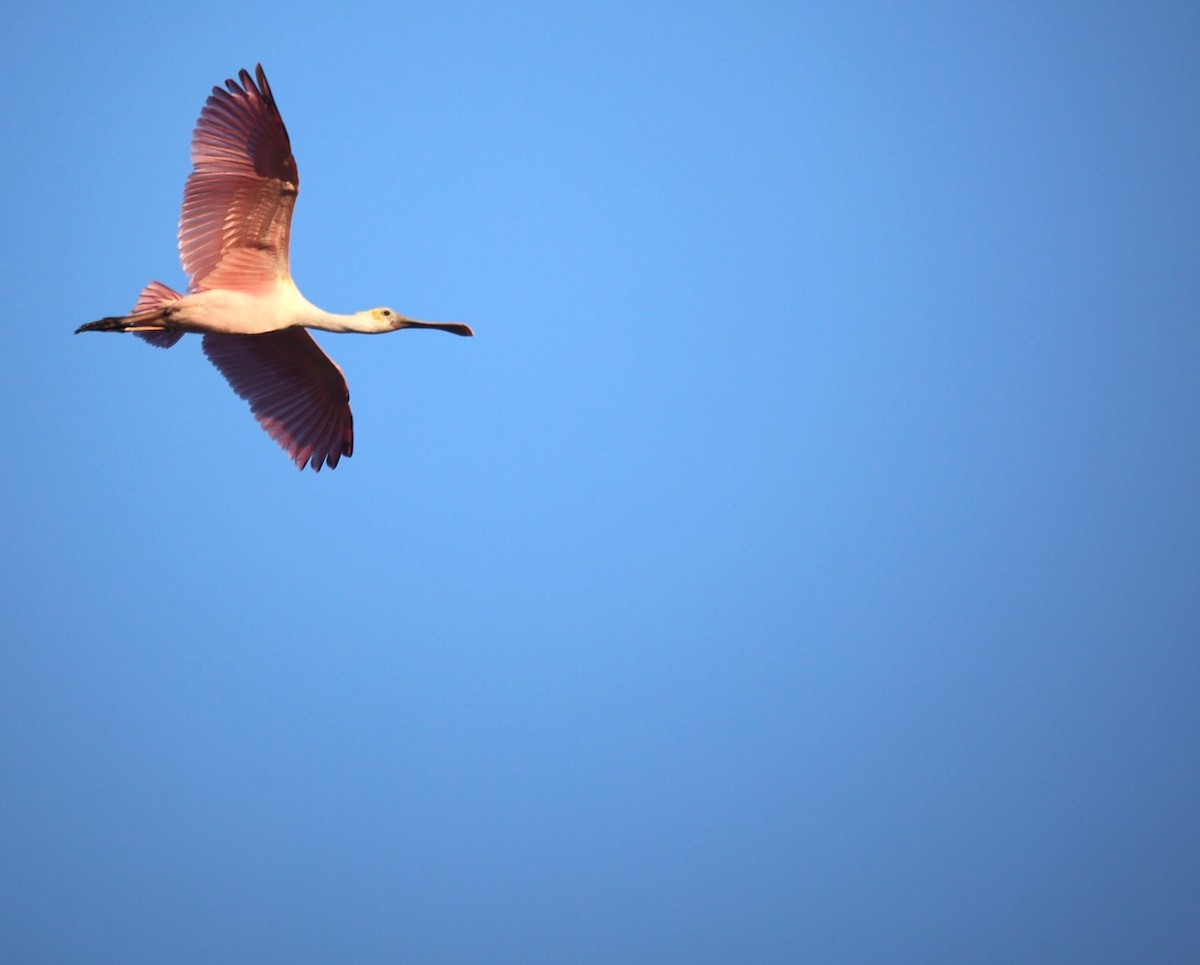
{"x":233,"y":242}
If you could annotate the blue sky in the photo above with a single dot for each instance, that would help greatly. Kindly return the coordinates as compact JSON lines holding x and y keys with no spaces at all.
{"x":800,"y":564}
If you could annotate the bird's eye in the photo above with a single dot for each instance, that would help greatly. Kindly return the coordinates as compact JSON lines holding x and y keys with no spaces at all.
{"x":386,"y":313}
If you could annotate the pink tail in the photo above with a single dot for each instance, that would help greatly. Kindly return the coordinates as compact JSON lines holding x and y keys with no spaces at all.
{"x":154,"y":296}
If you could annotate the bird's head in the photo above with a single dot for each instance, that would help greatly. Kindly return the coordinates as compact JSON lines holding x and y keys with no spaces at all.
{"x":386,"y":320}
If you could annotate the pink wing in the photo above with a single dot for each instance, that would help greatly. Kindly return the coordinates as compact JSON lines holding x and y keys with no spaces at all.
{"x":295,"y":390}
{"x":237,"y":206}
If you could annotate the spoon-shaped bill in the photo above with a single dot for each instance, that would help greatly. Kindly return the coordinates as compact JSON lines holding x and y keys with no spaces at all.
{"x":454,"y":328}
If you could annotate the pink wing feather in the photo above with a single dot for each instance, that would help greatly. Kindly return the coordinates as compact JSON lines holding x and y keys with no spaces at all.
{"x":153,"y":296}
{"x":237,"y":205}
{"x":234,"y":233}
{"x":296,"y":391}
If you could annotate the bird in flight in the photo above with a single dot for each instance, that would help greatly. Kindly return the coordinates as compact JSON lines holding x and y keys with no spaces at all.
{"x":233,"y":241}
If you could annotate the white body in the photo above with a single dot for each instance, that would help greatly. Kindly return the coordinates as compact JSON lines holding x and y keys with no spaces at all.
{"x":230,"y":312}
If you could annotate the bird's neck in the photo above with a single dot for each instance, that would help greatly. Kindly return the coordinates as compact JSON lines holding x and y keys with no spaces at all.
{"x":309,"y":315}
{"x":333,"y":322}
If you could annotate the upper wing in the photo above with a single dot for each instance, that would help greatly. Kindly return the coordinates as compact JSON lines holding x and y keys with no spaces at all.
{"x":237,"y":206}
{"x":295,"y":390}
